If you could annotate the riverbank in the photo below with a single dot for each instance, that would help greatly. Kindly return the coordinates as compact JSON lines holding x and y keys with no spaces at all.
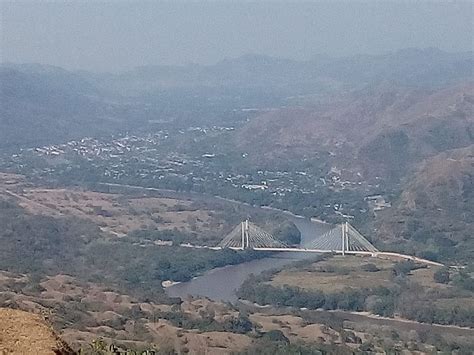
{"x":221,"y":284}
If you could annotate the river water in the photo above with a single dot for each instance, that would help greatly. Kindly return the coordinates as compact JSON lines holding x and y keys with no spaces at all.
{"x":221,"y":284}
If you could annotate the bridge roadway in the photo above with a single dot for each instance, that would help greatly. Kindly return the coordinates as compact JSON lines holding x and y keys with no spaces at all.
{"x":377,"y":254}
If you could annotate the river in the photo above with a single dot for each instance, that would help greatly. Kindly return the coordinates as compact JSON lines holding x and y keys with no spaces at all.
{"x":221,"y":284}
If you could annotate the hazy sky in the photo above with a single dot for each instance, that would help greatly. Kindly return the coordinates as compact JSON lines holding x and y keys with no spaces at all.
{"x":118,"y":35}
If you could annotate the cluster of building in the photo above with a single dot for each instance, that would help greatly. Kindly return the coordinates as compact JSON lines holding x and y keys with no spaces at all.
{"x":104,"y":149}
{"x":148,"y":158}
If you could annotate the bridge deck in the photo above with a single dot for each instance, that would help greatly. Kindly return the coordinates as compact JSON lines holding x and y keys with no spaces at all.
{"x":353,"y":252}
{"x":342,"y":239}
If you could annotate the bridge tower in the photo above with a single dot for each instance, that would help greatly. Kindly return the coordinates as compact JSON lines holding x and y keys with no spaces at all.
{"x":248,"y":235}
{"x":345,"y":237}
{"x":245,"y":234}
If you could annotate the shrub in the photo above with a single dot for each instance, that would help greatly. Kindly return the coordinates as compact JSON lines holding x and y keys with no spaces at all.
{"x":370,"y":268}
{"x":403,"y":267}
{"x":276,"y":335}
{"x":441,"y":276}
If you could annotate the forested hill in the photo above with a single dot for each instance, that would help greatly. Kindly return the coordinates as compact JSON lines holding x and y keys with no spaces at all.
{"x":382,"y":131}
{"x":435,"y":211}
{"x":42,"y":104}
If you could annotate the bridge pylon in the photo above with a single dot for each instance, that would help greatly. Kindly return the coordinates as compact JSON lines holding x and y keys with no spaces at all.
{"x":344,"y":239}
{"x":248,"y":235}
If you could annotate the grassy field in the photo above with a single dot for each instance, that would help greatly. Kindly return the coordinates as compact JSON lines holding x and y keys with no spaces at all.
{"x":337,"y":273}
{"x":120,"y":214}
{"x":416,"y":289}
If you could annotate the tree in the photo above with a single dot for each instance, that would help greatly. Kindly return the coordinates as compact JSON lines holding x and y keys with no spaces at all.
{"x":441,"y":276}
{"x":370,"y":267}
{"x":403,"y":267}
{"x":276,"y":335}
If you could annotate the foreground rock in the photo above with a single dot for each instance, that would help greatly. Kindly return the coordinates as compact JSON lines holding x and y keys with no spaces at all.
{"x":27,"y":333}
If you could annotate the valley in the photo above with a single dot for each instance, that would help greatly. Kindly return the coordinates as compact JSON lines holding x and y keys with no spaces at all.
{"x":124,"y":307}
{"x":114,"y":187}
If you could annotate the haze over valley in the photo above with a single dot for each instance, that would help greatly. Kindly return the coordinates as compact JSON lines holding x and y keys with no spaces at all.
{"x":257,"y":203}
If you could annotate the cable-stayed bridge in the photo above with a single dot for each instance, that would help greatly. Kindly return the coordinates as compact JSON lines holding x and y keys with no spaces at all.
{"x":343,"y":238}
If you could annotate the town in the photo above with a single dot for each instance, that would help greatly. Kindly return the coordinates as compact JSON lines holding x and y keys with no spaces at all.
{"x":186,"y":160}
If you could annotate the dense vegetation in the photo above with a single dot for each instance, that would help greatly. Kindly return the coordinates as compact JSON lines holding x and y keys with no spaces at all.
{"x":280,"y":228}
{"x":405,"y":298}
{"x":142,"y":265}
{"x":47,"y":246}
{"x":207,"y":322}
{"x":434,"y":213}
{"x":35,"y":243}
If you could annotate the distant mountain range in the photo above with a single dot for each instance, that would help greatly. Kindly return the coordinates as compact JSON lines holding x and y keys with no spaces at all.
{"x":383,"y":131}
{"x":47,"y":104}
{"x":411,"y":67}
{"x":41,"y":104}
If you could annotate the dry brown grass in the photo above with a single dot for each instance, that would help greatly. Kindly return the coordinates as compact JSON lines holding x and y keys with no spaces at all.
{"x":336,"y":274}
{"x":196,"y":342}
{"x":64,"y":291}
{"x":115,"y":213}
{"x":26,"y":333}
{"x":218,"y":343}
{"x":104,"y":307}
{"x":425,"y":278}
{"x":11,"y":180}
{"x":295,"y":328}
